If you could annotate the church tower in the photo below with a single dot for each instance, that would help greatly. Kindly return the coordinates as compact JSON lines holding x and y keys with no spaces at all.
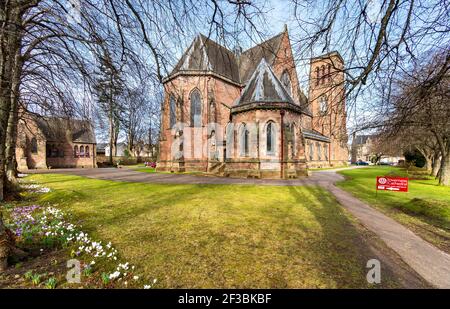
{"x":327,"y":103}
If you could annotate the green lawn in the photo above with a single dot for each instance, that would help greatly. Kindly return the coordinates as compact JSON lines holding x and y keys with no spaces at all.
{"x":140,"y":168}
{"x":222,"y":236}
{"x":326,"y":168}
{"x":425,"y":208}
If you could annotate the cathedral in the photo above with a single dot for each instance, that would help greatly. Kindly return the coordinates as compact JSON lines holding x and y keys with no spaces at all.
{"x":243,"y":114}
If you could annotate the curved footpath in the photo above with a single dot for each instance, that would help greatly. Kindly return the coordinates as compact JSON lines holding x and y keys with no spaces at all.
{"x":428,"y":261}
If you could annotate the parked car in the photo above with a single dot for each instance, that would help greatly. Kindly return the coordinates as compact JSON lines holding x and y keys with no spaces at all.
{"x":150,"y":164}
{"x":361,"y":162}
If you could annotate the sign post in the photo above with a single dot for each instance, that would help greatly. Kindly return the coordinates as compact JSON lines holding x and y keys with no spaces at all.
{"x":396,"y":184}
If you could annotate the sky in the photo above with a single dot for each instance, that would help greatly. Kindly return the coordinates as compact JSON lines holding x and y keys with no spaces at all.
{"x":281,"y":12}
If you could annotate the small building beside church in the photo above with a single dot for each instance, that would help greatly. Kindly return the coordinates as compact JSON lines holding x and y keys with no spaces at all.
{"x":53,"y":142}
{"x":243,"y":114}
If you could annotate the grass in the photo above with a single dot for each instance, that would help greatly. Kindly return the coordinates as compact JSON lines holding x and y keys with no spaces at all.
{"x":141,"y":168}
{"x":222,"y":236}
{"x":327,"y":168}
{"x":425,"y":208}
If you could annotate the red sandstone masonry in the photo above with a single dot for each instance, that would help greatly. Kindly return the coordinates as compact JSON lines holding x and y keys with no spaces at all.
{"x":223,"y":94}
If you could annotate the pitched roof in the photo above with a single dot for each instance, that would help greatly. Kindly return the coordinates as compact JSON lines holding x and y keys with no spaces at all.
{"x":313,"y":134}
{"x":57,"y":129}
{"x":264,"y":86}
{"x":206,"y":55}
{"x":362,"y":139}
{"x":249,"y":59}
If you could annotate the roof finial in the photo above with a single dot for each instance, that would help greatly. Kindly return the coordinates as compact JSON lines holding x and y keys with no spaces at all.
{"x":285,"y":28}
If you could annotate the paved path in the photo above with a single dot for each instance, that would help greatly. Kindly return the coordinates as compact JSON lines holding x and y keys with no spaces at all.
{"x":126,"y":174}
{"x":428,"y":261}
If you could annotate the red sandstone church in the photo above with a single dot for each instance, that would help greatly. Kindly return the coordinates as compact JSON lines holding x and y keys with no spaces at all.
{"x":53,"y":142}
{"x":243,"y":114}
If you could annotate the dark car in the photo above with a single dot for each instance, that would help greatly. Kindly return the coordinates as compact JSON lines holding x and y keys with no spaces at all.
{"x":360,"y":162}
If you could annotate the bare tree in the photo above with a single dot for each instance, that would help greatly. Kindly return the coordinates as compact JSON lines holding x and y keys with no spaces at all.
{"x":421,"y":106}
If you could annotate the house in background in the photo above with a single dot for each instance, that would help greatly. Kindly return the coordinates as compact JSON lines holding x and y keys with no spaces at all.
{"x":362,"y":147}
{"x":375,"y":149}
{"x":101,"y":149}
{"x":120,"y":152}
{"x":54,"y":142}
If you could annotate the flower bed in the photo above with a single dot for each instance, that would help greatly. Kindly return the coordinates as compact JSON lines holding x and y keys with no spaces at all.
{"x":35,"y":188}
{"x":49,"y":227}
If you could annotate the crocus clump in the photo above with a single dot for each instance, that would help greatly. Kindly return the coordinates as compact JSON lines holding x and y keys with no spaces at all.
{"x":35,"y":188}
{"x":50,"y":227}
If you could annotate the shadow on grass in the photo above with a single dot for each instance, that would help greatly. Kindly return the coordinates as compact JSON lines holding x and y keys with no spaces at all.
{"x":343,"y":252}
{"x":214,"y":236}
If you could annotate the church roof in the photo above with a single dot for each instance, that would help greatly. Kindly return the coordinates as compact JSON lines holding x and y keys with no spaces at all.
{"x":249,"y":59}
{"x":313,"y":134}
{"x":264,"y":86}
{"x":206,"y":55}
{"x":56,"y":129}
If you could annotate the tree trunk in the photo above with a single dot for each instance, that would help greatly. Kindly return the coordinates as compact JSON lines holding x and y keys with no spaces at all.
{"x":111,"y":140}
{"x":11,"y":165}
{"x":428,"y":164}
{"x":444,"y":172}
{"x":9,"y":45}
{"x":116,"y":133}
{"x":436,"y":164}
{"x":4,"y":246}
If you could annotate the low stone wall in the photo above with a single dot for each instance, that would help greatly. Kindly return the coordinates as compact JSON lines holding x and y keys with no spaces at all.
{"x":104,"y":160}
{"x":182,"y":166}
{"x":265,"y":169}
{"x":323,"y":164}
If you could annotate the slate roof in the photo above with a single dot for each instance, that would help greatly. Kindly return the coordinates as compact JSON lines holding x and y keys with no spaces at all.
{"x":249,"y":59}
{"x":313,"y":134}
{"x":205,"y":55}
{"x":101,"y":147}
{"x":362,"y":139}
{"x":264,"y":86}
{"x":57,"y":129}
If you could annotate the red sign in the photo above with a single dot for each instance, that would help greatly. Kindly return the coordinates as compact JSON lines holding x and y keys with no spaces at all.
{"x":398,"y":184}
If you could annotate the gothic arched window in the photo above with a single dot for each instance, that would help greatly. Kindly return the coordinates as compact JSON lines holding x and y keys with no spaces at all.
{"x":270,"y":138}
{"x":244,"y":140}
{"x":323,"y":105}
{"x":196,"y":109}
{"x":311,"y":151}
{"x":329,"y":73}
{"x":325,"y":151}
{"x":34,"y":147}
{"x":319,"y":151}
{"x":286,"y":81}
{"x":172,"y":111}
{"x":323,"y":74}
{"x":294,"y":139}
{"x":75,"y":151}
{"x":317,"y":76}
{"x":86,"y":152}
{"x":82,"y":151}
{"x":54,"y":151}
